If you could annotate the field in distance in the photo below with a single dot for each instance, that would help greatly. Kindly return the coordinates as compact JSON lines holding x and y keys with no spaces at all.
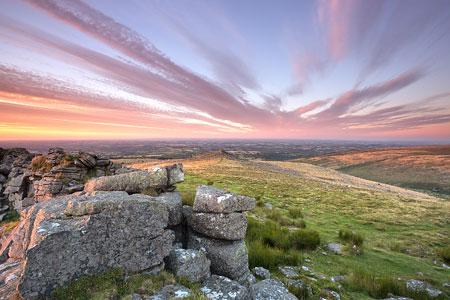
{"x":424,"y":168}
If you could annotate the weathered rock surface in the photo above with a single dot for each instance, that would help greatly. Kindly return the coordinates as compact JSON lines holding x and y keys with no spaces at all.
{"x":214,"y":200}
{"x":159,"y":179}
{"x":397,"y":298}
{"x":65,"y":238}
{"x":261,"y":273}
{"x":134,"y":182}
{"x":30,"y":178}
{"x":189,"y":263}
{"x":228,"y":258}
{"x":420,"y":286}
{"x":271,"y":289}
{"x":231,"y":226}
{"x":223,"y":288}
{"x":171,"y":292}
{"x":289,"y":271}
{"x":174,"y":205}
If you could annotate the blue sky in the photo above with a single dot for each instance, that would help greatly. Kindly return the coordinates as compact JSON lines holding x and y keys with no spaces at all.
{"x":248,"y":69}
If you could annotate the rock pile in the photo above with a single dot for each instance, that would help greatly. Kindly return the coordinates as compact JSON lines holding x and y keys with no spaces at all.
{"x":26,"y":178}
{"x":218,"y":226}
{"x":14,"y":177}
{"x":58,"y":173}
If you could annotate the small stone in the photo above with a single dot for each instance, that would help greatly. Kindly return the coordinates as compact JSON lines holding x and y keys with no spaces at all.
{"x":271,"y":289}
{"x":304,"y":268}
{"x":307,"y":260}
{"x":222,"y":288}
{"x":289,"y":271}
{"x":336,"y":248}
{"x":268,"y":205}
{"x":419,"y":286}
{"x":171,"y":292}
{"x":261,"y":273}
{"x":324,"y":253}
{"x":333,"y":293}
{"x":340,"y":278}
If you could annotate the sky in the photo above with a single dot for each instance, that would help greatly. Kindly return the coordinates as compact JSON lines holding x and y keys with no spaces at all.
{"x":332,"y":69}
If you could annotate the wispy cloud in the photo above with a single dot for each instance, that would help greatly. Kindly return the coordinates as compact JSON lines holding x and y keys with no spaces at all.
{"x":159,"y":93}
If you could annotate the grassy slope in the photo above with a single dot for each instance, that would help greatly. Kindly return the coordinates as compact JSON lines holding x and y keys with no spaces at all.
{"x":424,"y":168}
{"x":385,"y":219}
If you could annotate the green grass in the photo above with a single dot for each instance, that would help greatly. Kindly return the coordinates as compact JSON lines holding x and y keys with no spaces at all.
{"x":401,"y":234}
{"x":295,"y":212}
{"x":113,"y":285}
{"x":350,"y":236}
{"x":381,"y":286}
{"x":444,"y":253}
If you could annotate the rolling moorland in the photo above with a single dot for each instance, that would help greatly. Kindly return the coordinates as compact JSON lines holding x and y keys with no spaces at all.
{"x":398,"y":233}
{"x":423,"y":168}
{"x":388,"y":234}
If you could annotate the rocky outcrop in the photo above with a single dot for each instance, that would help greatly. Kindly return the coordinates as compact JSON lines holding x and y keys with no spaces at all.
{"x":218,"y":226}
{"x":65,"y":238}
{"x":14,"y":177}
{"x":58,"y":173}
{"x":26,"y":178}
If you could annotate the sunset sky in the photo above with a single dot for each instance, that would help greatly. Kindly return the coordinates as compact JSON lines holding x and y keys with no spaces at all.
{"x":130,"y":69}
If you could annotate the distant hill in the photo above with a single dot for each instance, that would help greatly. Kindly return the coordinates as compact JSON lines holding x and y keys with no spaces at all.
{"x":424,"y":168}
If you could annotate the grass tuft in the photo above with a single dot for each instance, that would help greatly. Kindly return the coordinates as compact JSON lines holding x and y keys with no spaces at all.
{"x":444,"y":253}
{"x":351,"y":236}
{"x":295,"y":212}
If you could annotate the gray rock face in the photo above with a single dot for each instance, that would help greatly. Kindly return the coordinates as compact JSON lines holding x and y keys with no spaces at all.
{"x":261,"y":273}
{"x":271,"y":289}
{"x":171,"y":292}
{"x":420,"y":286}
{"x":174,"y":205}
{"x":175,"y":173}
{"x":223,"y":288}
{"x":397,"y":298}
{"x":228,"y":258}
{"x":135,"y":182}
{"x":189,"y":263}
{"x":65,"y":238}
{"x":213,"y":200}
{"x":231,"y":226}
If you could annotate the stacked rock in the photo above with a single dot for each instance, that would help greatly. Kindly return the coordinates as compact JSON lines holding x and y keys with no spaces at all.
{"x":218,"y":227}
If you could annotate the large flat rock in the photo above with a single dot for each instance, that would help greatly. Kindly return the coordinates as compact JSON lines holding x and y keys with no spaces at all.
{"x":65,"y":238}
{"x":158,"y":179}
{"x":210,"y":199}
